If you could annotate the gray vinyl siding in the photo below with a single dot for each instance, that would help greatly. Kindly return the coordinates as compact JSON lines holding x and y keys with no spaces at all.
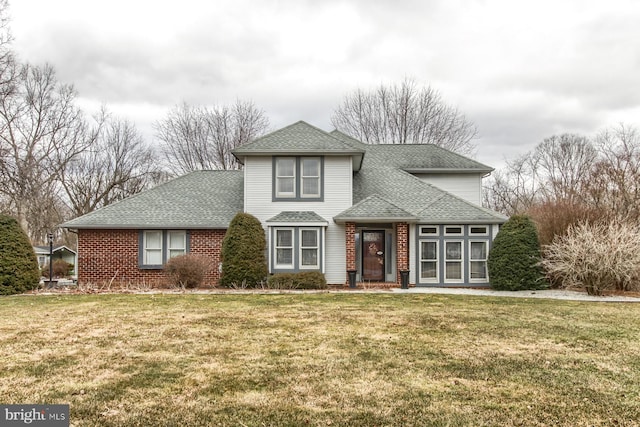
{"x":466,"y":186}
{"x":338,"y":173}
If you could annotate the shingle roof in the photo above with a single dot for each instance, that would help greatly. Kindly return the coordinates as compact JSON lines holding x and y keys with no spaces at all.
{"x":422,"y":157}
{"x":383,"y":188}
{"x":374,"y":207}
{"x":298,"y":138}
{"x":298,"y":217}
{"x":203,"y":199}
{"x":384,"y":174}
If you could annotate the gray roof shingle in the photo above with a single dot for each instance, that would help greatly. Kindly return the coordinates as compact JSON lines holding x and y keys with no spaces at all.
{"x":203,"y":199}
{"x":383,"y":188}
{"x":298,"y":138}
{"x":298,"y":217}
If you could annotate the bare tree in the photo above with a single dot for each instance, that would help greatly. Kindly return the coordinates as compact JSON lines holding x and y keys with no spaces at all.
{"x":614,"y":182}
{"x":117,"y":164}
{"x":404,"y":114}
{"x":196,"y":138}
{"x":41,"y":130}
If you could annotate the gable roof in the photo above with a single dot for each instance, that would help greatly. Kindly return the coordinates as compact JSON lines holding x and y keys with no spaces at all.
{"x":299,"y":138}
{"x":44,"y":250}
{"x":376,"y":208}
{"x":203,"y":199}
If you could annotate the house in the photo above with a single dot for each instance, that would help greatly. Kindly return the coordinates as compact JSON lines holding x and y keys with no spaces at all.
{"x":59,"y":252}
{"x":327,"y":202}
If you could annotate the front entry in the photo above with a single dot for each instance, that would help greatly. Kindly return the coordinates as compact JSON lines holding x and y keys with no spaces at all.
{"x":373,"y":255}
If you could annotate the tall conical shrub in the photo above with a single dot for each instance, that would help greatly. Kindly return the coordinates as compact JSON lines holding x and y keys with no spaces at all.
{"x":19,"y":270}
{"x":243,"y":253}
{"x":515,"y":256}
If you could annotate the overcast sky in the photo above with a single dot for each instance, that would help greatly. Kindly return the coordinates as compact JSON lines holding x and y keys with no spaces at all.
{"x":521,"y":71}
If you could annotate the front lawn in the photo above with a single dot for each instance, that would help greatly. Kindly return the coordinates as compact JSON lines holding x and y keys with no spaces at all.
{"x":335,"y":359}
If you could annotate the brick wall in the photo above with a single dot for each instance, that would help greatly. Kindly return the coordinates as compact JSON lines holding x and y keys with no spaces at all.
{"x":402,"y":241}
{"x":350,"y":236}
{"x":112,"y":255}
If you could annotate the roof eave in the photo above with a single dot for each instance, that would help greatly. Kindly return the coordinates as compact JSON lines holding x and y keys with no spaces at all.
{"x":364,"y":220}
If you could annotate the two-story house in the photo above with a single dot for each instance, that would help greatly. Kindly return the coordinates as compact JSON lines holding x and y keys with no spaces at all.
{"x":327,"y":202}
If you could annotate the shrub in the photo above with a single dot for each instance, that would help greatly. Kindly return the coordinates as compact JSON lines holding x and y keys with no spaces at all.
{"x":187,"y":271}
{"x":61,"y":268}
{"x":243,"y":253}
{"x":515,"y":256}
{"x":19,"y":270}
{"x":302,"y":280}
{"x":596,"y":257}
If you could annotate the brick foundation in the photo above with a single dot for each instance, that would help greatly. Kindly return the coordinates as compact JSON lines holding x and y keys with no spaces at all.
{"x":112,"y":256}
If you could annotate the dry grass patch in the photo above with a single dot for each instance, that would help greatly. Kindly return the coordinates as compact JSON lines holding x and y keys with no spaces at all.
{"x":323,"y":359}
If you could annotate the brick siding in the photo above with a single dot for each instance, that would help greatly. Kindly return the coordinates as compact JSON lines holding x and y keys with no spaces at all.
{"x":112,"y":256}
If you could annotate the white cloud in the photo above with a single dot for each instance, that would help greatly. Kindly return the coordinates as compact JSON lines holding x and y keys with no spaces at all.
{"x":521,"y":70}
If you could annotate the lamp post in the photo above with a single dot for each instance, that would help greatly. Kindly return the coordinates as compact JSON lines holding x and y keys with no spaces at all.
{"x":50,"y":238}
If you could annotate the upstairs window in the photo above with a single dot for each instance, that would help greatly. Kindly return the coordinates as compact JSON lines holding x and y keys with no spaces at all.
{"x":310,"y":177}
{"x":297,"y":178}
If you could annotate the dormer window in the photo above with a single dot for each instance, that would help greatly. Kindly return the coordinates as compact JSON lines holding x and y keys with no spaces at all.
{"x":297,"y":178}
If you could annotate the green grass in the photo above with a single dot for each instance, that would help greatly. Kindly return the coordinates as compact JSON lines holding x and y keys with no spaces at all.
{"x":335,"y":359}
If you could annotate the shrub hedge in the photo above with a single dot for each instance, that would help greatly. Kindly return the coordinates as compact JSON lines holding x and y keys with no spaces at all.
{"x":302,"y":280}
{"x":187,"y":271}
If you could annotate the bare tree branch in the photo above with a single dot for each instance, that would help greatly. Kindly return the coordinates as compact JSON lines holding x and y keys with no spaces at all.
{"x":197,"y":138}
{"x":404,"y":114}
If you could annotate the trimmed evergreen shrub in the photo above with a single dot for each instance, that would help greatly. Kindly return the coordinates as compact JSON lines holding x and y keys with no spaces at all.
{"x":514,"y":259}
{"x":19,"y":270}
{"x":302,"y":280}
{"x":243,"y":253}
{"x":187,"y":271}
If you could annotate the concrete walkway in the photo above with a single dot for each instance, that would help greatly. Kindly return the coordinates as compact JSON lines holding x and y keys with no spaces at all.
{"x":549,"y":294}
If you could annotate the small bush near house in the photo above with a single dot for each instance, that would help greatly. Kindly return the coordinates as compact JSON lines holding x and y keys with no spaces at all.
{"x":243,"y":253}
{"x":515,"y":256}
{"x":302,"y":280}
{"x":596,"y":257}
{"x":19,"y":270}
{"x":187,"y":271}
{"x":61,"y":268}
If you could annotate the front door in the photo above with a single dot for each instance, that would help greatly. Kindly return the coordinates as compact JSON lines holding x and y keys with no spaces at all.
{"x":373,"y":255}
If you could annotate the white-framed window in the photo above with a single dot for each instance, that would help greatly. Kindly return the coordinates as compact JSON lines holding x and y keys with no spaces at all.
{"x":478,"y":230}
{"x":453,"y":261}
{"x":309,"y":248}
{"x":297,"y":178}
{"x":429,"y":260}
{"x":478,"y":260}
{"x":285,"y":177}
{"x":152,"y":247}
{"x":310,"y":177}
{"x":284,"y":248}
{"x":176,"y":243}
{"x":453,"y":230}
{"x":429,"y":230}
{"x":157,"y":246}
